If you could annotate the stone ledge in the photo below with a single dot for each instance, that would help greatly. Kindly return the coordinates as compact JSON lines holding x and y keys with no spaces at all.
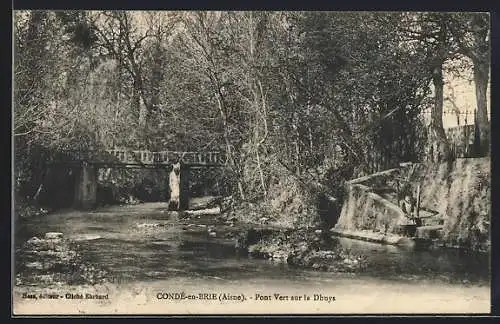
{"x":429,"y":232}
{"x":370,"y":236}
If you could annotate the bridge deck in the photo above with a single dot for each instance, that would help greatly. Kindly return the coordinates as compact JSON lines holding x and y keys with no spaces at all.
{"x":77,"y":164}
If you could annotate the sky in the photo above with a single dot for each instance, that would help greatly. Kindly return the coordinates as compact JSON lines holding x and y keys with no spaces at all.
{"x":463,"y":89}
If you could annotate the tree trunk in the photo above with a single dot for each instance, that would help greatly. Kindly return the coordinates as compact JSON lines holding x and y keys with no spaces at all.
{"x":34,"y":43}
{"x":482,"y":126}
{"x":29,"y":85}
{"x":257,"y":103}
{"x":437,"y":141}
{"x":139,"y":98}
{"x":296,"y":136}
{"x":261,"y":174}
{"x":229,"y":152}
{"x":264,"y":137}
{"x":143,"y":113}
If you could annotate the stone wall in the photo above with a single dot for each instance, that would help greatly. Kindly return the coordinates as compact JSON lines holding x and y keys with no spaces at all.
{"x":457,"y":192}
{"x":461,"y":193}
{"x":365,"y":210}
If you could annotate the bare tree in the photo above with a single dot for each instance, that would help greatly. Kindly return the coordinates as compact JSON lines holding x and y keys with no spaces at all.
{"x":209,"y":50}
{"x":121,"y":36}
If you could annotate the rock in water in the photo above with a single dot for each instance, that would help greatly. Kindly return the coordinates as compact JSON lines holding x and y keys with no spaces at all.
{"x":197,"y":213}
{"x":205,"y":203}
{"x":406,"y":242}
{"x":35,"y":265}
{"x":34,"y":240}
{"x":53,"y":235}
{"x":86,"y":237}
{"x":142,"y":225}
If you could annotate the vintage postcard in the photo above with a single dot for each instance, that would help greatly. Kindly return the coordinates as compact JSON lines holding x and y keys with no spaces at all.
{"x":251,"y":162}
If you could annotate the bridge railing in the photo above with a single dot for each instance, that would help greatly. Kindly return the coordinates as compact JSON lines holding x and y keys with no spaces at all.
{"x":121,"y":156}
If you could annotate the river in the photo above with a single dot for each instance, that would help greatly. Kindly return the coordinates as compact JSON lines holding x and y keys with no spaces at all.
{"x":149,"y":251}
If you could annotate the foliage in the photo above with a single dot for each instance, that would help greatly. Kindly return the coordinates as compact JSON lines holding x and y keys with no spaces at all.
{"x":322,"y":96}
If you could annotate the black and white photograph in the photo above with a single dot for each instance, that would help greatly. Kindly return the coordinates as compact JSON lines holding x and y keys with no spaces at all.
{"x":201,"y":162}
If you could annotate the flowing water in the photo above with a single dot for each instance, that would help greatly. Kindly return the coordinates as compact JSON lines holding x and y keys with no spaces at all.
{"x":143,"y":244}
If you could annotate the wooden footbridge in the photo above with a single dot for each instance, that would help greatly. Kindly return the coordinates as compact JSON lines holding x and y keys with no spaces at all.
{"x":86,"y":163}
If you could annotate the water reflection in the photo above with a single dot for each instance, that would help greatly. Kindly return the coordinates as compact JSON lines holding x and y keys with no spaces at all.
{"x":400,"y":262}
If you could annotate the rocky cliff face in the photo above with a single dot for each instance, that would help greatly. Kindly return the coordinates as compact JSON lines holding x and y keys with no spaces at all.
{"x":455,"y":203}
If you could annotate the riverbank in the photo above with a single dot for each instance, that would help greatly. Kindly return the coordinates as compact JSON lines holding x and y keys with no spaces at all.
{"x":55,"y":260}
{"x":24,"y":208}
{"x":370,"y":236}
{"x":263,"y":235}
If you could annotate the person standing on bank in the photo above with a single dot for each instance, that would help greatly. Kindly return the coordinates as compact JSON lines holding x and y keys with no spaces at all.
{"x":409,"y":207}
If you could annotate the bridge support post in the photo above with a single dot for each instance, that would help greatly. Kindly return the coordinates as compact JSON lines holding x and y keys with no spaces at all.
{"x":86,"y":187}
{"x":184,"y":188}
